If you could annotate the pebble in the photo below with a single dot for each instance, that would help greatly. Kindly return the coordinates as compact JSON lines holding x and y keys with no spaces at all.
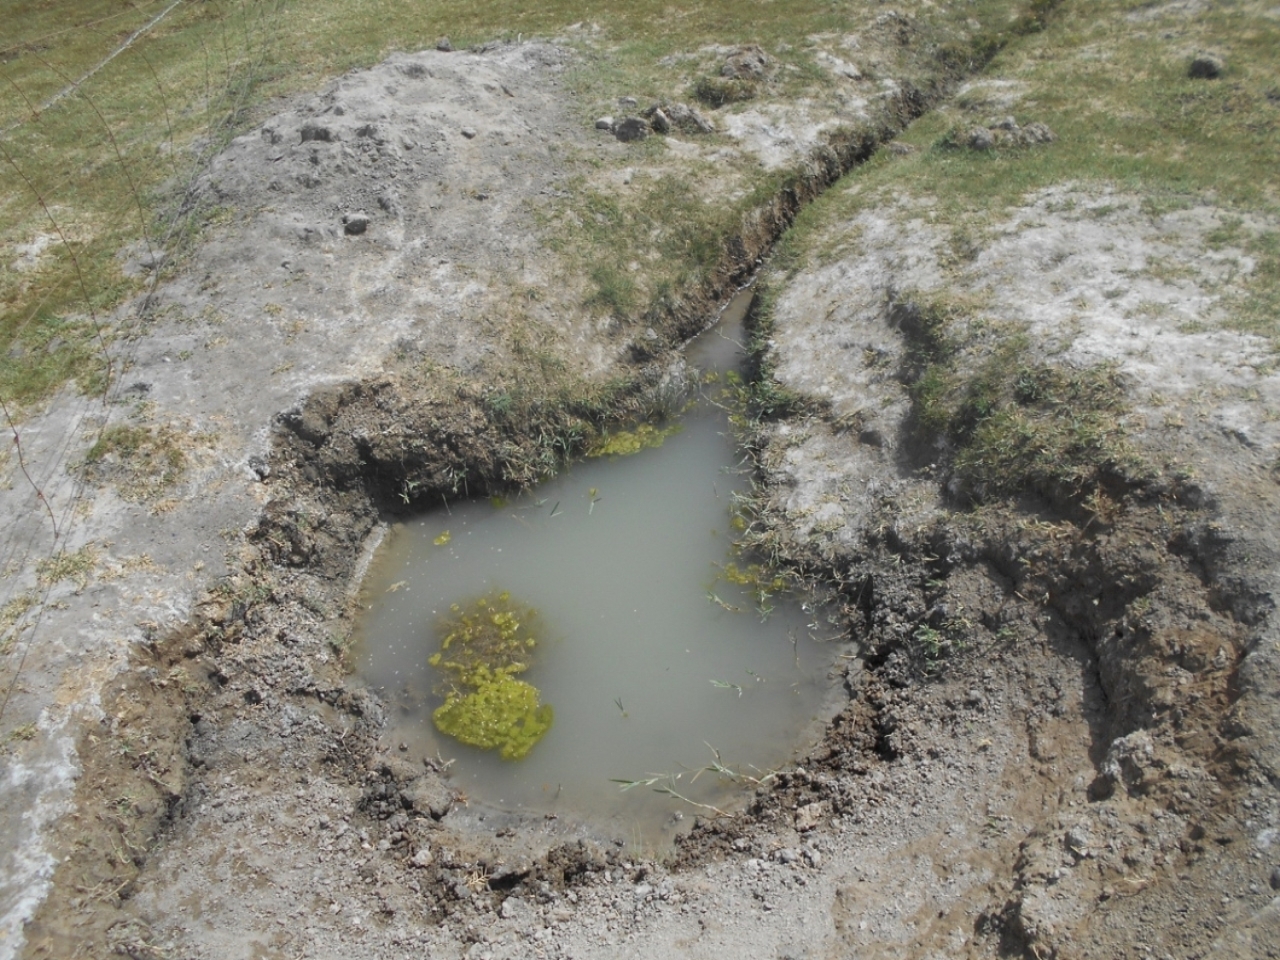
{"x":355,"y":223}
{"x":604,"y":123}
{"x":469,"y":132}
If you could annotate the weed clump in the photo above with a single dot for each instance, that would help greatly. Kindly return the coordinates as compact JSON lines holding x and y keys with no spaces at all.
{"x":483,"y":647}
{"x":716,"y":92}
{"x":623,"y":443}
{"x":1009,"y":422}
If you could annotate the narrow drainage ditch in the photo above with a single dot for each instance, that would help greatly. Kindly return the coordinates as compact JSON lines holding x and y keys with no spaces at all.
{"x":677,"y":669}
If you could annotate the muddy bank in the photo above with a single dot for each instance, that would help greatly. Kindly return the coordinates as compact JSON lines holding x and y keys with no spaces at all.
{"x":351,"y":454}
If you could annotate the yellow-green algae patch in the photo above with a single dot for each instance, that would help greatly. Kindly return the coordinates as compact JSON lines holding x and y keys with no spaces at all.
{"x":483,"y":647}
{"x":623,"y":443}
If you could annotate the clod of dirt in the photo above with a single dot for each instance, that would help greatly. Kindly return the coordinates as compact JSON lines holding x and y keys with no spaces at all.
{"x":1206,"y":66}
{"x":631,"y":129}
{"x":746,"y":63}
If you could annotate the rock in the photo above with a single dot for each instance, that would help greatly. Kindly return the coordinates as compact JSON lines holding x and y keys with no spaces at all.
{"x":746,"y":63}
{"x":1079,"y":840}
{"x":312,"y":131}
{"x":604,"y":123}
{"x":422,"y":859}
{"x":469,"y":132}
{"x":643,"y":890}
{"x":980,"y":138}
{"x":628,"y":103}
{"x":787,"y":855}
{"x":513,"y":908}
{"x":660,"y":122}
{"x":355,"y":223}
{"x":1007,"y":123}
{"x":810,"y":815}
{"x":901,"y":149}
{"x":1206,"y":66}
{"x":630,"y":129}
{"x":687,"y":119}
{"x":1128,"y":763}
{"x":1036,"y":132}
{"x":1275,"y":878}
{"x":444,"y":45}
{"x":428,"y":795}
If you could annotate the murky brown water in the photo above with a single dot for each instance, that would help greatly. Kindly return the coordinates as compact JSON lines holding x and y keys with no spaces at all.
{"x":652,"y":661}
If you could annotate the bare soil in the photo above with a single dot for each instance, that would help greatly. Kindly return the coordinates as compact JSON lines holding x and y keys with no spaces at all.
{"x":1059,"y":740}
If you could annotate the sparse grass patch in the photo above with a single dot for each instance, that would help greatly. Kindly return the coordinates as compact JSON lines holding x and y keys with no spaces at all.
{"x":11,"y":614}
{"x":77,"y":566}
{"x":141,"y":460}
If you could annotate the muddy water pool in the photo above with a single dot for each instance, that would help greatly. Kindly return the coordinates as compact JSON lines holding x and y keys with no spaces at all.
{"x":656,"y":664}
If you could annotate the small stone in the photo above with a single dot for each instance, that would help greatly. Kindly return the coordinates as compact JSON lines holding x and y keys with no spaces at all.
{"x":643,"y":890}
{"x":1007,"y":123}
{"x":660,"y":122}
{"x":787,"y":855}
{"x":422,"y":859}
{"x":742,"y":844}
{"x":512,"y":907}
{"x":628,"y":103}
{"x":1275,"y":878}
{"x":685,"y":118}
{"x":1206,"y":66}
{"x":355,"y":223}
{"x":444,"y":45}
{"x":897,"y":148}
{"x":810,"y":815}
{"x":604,"y":123}
{"x":980,"y":138}
{"x":746,"y":63}
{"x":630,"y":129}
{"x":469,"y":132}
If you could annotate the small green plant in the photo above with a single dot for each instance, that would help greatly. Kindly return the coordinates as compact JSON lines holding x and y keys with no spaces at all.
{"x":623,"y":443}
{"x":75,"y":566}
{"x":23,"y":733}
{"x":484,"y":645}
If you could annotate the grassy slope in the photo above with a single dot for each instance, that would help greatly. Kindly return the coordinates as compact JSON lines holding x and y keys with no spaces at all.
{"x":1111,"y":79}
{"x":99,"y":171}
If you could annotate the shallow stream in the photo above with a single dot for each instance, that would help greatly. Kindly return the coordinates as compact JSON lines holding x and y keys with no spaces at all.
{"x":656,"y":665}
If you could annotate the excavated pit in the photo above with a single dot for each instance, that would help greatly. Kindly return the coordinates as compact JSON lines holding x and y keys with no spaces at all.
{"x":1050,"y":767}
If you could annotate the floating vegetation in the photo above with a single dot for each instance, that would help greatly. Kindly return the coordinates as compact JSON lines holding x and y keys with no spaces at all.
{"x":623,"y":443}
{"x":444,"y":538}
{"x":484,"y":646}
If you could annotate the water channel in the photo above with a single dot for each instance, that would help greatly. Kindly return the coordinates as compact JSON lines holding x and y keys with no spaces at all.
{"x":656,"y":663}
